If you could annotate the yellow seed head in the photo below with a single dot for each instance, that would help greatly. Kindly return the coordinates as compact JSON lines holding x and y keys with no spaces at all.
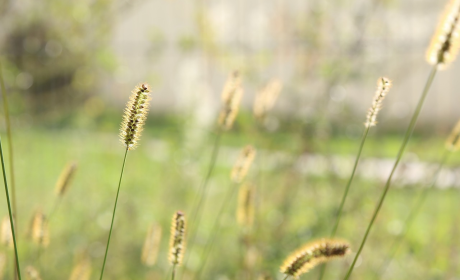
{"x":444,"y":45}
{"x":266,"y":98}
{"x":82,"y":270}
{"x":177,"y":239}
{"x":65,"y":178}
{"x":151,"y":245}
{"x":39,"y":229}
{"x":32,"y":273}
{"x":135,"y":116}
{"x":7,"y":237}
{"x":383,"y":86}
{"x":231,"y":99}
{"x":243,"y":163}
{"x":312,"y":254}
{"x":453,"y":141}
{"x":245,"y":209}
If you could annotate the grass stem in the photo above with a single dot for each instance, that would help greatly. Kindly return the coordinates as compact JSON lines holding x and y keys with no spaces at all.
{"x":407,"y":136}
{"x":413,"y":213}
{"x":173,"y":274}
{"x":113,"y":214}
{"x":10,"y":212}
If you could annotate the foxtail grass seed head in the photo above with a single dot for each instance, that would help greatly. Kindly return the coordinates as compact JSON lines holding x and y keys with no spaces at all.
{"x":383,"y":86}
{"x":39,"y":229}
{"x":32,"y":273}
{"x":444,"y":45}
{"x":231,"y":99}
{"x":135,"y":116}
{"x":245,"y":209}
{"x":82,"y":270}
{"x":151,"y":245}
{"x":453,"y":141}
{"x":266,"y":98}
{"x":243,"y":163}
{"x":312,"y":254}
{"x":7,"y":237}
{"x":65,"y":178}
{"x":177,"y":239}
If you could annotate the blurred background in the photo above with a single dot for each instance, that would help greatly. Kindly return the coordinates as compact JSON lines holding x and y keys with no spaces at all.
{"x":69,"y":67}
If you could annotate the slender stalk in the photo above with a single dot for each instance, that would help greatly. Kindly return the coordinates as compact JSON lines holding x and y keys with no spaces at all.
{"x":407,"y":136}
{"x":173,"y":274}
{"x":413,"y":213}
{"x":287,"y":276}
{"x":345,"y":194}
{"x":10,"y":150}
{"x":199,"y":199}
{"x":10,"y":212}
{"x":113,"y":214}
{"x":215,"y":229}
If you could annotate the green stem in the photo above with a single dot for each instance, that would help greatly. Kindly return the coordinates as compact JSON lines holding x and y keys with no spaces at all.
{"x":345,"y":194}
{"x":287,"y":276}
{"x":195,"y":214}
{"x":113,"y":214}
{"x":10,"y":212}
{"x":215,"y":229}
{"x":173,"y":274}
{"x":413,"y":213}
{"x":407,"y":136}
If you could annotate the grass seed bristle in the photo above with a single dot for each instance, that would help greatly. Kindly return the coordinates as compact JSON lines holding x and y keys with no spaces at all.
{"x":39,"y":229}
{"x":151,"y":245}
{"x":135,"y":116}
{"x":231,"y":99}
{"x":383,"y":86}
{"x":243,"y":163}
{"x":177,"y":239}
{"x":65,"y":178}
{"x":444,"y":45}
{"x":453,"y":141}
{"x":312,"y":254}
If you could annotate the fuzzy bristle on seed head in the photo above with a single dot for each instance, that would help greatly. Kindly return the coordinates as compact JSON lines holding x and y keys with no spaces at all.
{"x":245,"y":209}
{"x":32,"y":273}
{"x":65,"y":178}
{"x":135,"y":116}
{"x":453,"y":141}
{"x":266,"y":98}
{"x":6,"y":235}
{"x":312,"y":254}
{"x":243,"y":163}
{"x":82,"y":270}
{"x":383,"y":86}
{"x":151,"y":245}
{"x":231,"y":99}
{"x":39,"y":229}
{"x":177,"y":239}
{"x":444,"y":45}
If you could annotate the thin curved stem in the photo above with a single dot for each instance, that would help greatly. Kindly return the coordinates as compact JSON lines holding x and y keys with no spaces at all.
{"x":215,"y":230}
{"x":413,"y":213}
{"x":10,"y":212}
{"x":285,"y":278}
{"x":173,"y":274}
{"x":199,"y":199}
{"x":113,"y":214}
{"x":345,"y":194}
{"x":407,"y":136}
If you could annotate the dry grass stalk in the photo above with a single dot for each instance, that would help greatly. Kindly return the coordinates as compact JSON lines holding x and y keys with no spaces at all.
{"x":231,"y":99}
{"x":135,"y":116}
{"x":452,"y":142}
{"x":383,"y":86}
{"x":39,"y":229}
{"x":312,"y":254}
{"x":6,"y":237}
{"x":245,"y":209}
{"x":151,"y":245}
{"x":177,"y":239}
{"x":65,"y":178}
{"x":243,"y":163}
{"x":32,"y":273}
{"x":266,"y":98}
{"x":444,"y":45}
{"x":82,"y":270}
